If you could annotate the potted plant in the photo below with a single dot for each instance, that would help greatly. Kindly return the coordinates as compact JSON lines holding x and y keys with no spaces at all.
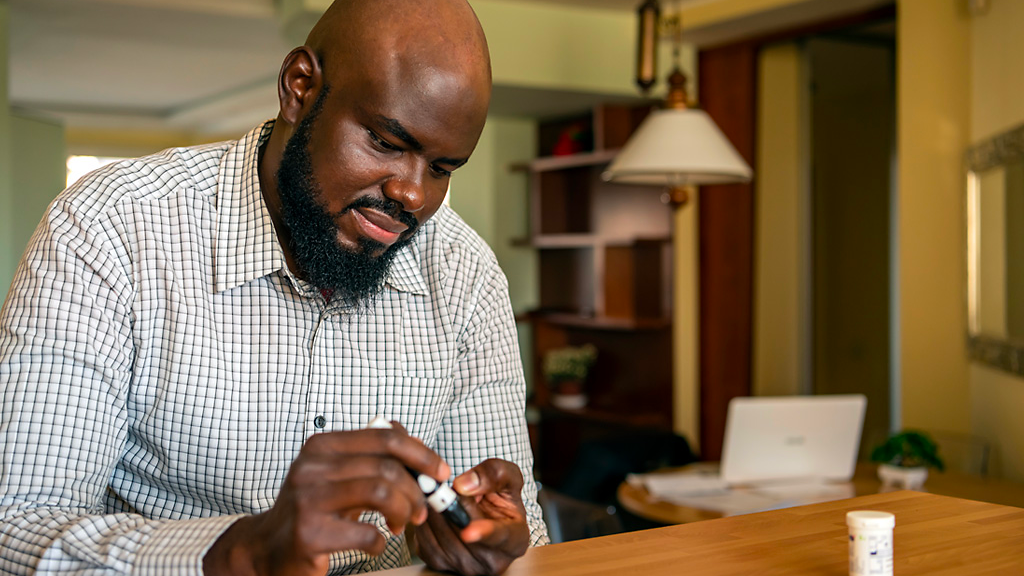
{"x":904,"y":459}
{"x":566,"y":370}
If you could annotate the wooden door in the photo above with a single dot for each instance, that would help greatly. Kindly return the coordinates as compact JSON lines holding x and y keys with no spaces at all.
{"x":728,"y":92}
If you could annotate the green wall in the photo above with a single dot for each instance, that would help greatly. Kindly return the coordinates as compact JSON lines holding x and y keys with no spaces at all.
{"x":31,"y":172}
{"x":7,"y":256}
{"x":490,"y":193}
{"x":38,"y":175}
{"x":491,"y":196}
{"x":560,"y":47}
{"x":34,"y":176}
{"x":532,"y":44}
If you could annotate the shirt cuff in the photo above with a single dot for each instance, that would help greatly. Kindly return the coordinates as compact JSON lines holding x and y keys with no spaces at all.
{"x":178,"y":547}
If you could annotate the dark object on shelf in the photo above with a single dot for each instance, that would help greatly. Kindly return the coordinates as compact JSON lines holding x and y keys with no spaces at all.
{"x":573,"y":139}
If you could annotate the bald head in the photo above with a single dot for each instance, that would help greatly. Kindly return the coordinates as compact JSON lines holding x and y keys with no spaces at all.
{"x":424,"y":44}
{"x":442,"y":25}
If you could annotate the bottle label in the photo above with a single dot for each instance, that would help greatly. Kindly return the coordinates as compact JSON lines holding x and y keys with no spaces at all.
{"x":871,"y":553}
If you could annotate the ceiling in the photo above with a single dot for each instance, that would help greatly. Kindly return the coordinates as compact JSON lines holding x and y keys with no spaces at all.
{"x":199,"y":66}
{"x":205,"y":66}
{"x":160,"y":64}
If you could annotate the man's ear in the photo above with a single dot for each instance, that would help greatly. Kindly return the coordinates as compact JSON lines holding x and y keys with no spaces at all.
{"x":298,"y":83}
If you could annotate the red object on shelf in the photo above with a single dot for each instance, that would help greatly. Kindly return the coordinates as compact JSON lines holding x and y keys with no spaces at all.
{"x":570,"y":141}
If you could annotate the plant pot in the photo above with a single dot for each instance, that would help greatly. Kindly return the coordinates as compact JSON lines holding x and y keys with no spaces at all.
{"x":569,"y":401}
{"x":568,"y":395}
{"x":900,"y":477}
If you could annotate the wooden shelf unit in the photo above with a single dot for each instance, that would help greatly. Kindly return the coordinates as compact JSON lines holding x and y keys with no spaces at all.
{"x":605,"y":259}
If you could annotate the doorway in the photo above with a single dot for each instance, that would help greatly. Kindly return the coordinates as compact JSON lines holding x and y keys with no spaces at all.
{"x":852,"y":151}
{"x":816,"y":228}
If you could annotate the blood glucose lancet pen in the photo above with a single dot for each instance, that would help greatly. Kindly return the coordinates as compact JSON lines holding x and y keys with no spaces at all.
{"x":440,"y":497}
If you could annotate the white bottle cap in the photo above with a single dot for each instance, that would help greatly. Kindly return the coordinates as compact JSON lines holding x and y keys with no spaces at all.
{"x":442,"y":498}
{"x":870,"y":519}
{"x":379,"y":422}
{"x":427,"y":484}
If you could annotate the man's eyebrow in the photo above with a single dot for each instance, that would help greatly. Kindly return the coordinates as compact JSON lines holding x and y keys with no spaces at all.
{"x":398,"y":131}
{"x":453,"y":162}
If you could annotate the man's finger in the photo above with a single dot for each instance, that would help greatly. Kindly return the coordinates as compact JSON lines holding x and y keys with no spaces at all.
{"x":399,"y":503}
{"x":491,"y":475}
{"x":334,"y":533}
{"x":393,"y":442}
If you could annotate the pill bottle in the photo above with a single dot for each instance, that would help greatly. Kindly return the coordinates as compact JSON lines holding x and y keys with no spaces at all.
{"x":870,"y":542}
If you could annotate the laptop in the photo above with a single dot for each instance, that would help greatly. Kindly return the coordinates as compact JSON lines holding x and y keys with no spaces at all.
{"x":778,"y":439}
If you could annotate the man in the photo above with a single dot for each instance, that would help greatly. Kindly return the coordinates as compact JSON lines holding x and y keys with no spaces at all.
{"x":195,"y":341}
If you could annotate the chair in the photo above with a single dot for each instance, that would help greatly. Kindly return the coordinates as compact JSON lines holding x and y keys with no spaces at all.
{"x":583,"y":505}
{"x":570,"y":519}
{"x":602,"y":464}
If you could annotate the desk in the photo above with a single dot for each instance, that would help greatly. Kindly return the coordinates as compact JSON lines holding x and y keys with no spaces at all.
{"x":934,"y":536}
{"x":865,"y":481}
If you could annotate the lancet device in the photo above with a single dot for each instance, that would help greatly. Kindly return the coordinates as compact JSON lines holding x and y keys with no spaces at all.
{"x":440,"y":497}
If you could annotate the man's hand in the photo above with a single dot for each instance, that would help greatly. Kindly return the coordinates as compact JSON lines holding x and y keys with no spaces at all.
{"x":498,"y":533}
{"x":336,"y":477}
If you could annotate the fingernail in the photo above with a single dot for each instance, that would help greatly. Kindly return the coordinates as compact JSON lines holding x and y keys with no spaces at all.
{"x":469,"y":535}
{"x":467,"y":483}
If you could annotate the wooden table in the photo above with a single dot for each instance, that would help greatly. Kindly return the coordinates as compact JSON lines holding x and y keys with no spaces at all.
{"x":865,"y":481}
{"x":934,"y":536}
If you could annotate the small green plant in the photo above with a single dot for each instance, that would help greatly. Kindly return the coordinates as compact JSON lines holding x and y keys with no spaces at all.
{"x":571,"y":363}
{"x":909,"y":449}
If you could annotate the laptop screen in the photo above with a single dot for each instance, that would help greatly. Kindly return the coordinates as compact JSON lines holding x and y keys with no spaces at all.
{"x":786,"y":438}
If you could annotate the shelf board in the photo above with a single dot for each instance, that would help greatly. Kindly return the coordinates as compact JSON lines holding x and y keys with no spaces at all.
{"x":601,"y":322}
{"x":565,"y":241}
{"x":638,"y":419}
{"x":629,"y":242}
{"x":583,"y":240}
{"x":580,"y":160}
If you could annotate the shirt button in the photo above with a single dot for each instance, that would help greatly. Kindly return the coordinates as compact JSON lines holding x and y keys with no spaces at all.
{"x":320,"y":421}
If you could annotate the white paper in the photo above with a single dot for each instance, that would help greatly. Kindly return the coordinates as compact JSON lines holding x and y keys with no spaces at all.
{"x":732,"y":502}
{"x":675,"y":484}
{"x":804,"y":491}
{"x":706,"y":490}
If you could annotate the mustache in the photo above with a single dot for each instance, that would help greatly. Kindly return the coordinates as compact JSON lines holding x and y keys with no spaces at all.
{"x":385,"y":205}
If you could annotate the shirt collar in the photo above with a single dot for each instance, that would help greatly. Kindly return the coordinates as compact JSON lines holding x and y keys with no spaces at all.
{"x":247,"y":246}
{"x":405,"y":274}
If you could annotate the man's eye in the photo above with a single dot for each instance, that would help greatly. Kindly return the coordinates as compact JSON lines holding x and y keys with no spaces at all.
{"x":382,"y":143}
{"x":439,"y":171}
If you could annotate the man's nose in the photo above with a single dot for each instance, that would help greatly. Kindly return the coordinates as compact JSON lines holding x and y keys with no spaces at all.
{"x":406,"y":187}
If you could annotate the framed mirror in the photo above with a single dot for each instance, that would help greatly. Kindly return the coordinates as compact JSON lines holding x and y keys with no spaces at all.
{"x":995,"y":251}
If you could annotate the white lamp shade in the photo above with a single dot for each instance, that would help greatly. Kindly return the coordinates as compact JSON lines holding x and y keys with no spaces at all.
{"x":676,"y":147}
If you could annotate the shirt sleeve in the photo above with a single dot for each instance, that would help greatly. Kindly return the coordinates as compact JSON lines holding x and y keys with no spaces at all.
{"x":487,"y":419}
{"x":66,"y":354}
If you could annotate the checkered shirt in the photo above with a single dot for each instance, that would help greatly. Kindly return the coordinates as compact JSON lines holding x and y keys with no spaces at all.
{"x":160,"y":367}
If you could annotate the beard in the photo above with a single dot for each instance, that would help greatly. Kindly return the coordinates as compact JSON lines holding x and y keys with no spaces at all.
{"x":355,"y":276}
